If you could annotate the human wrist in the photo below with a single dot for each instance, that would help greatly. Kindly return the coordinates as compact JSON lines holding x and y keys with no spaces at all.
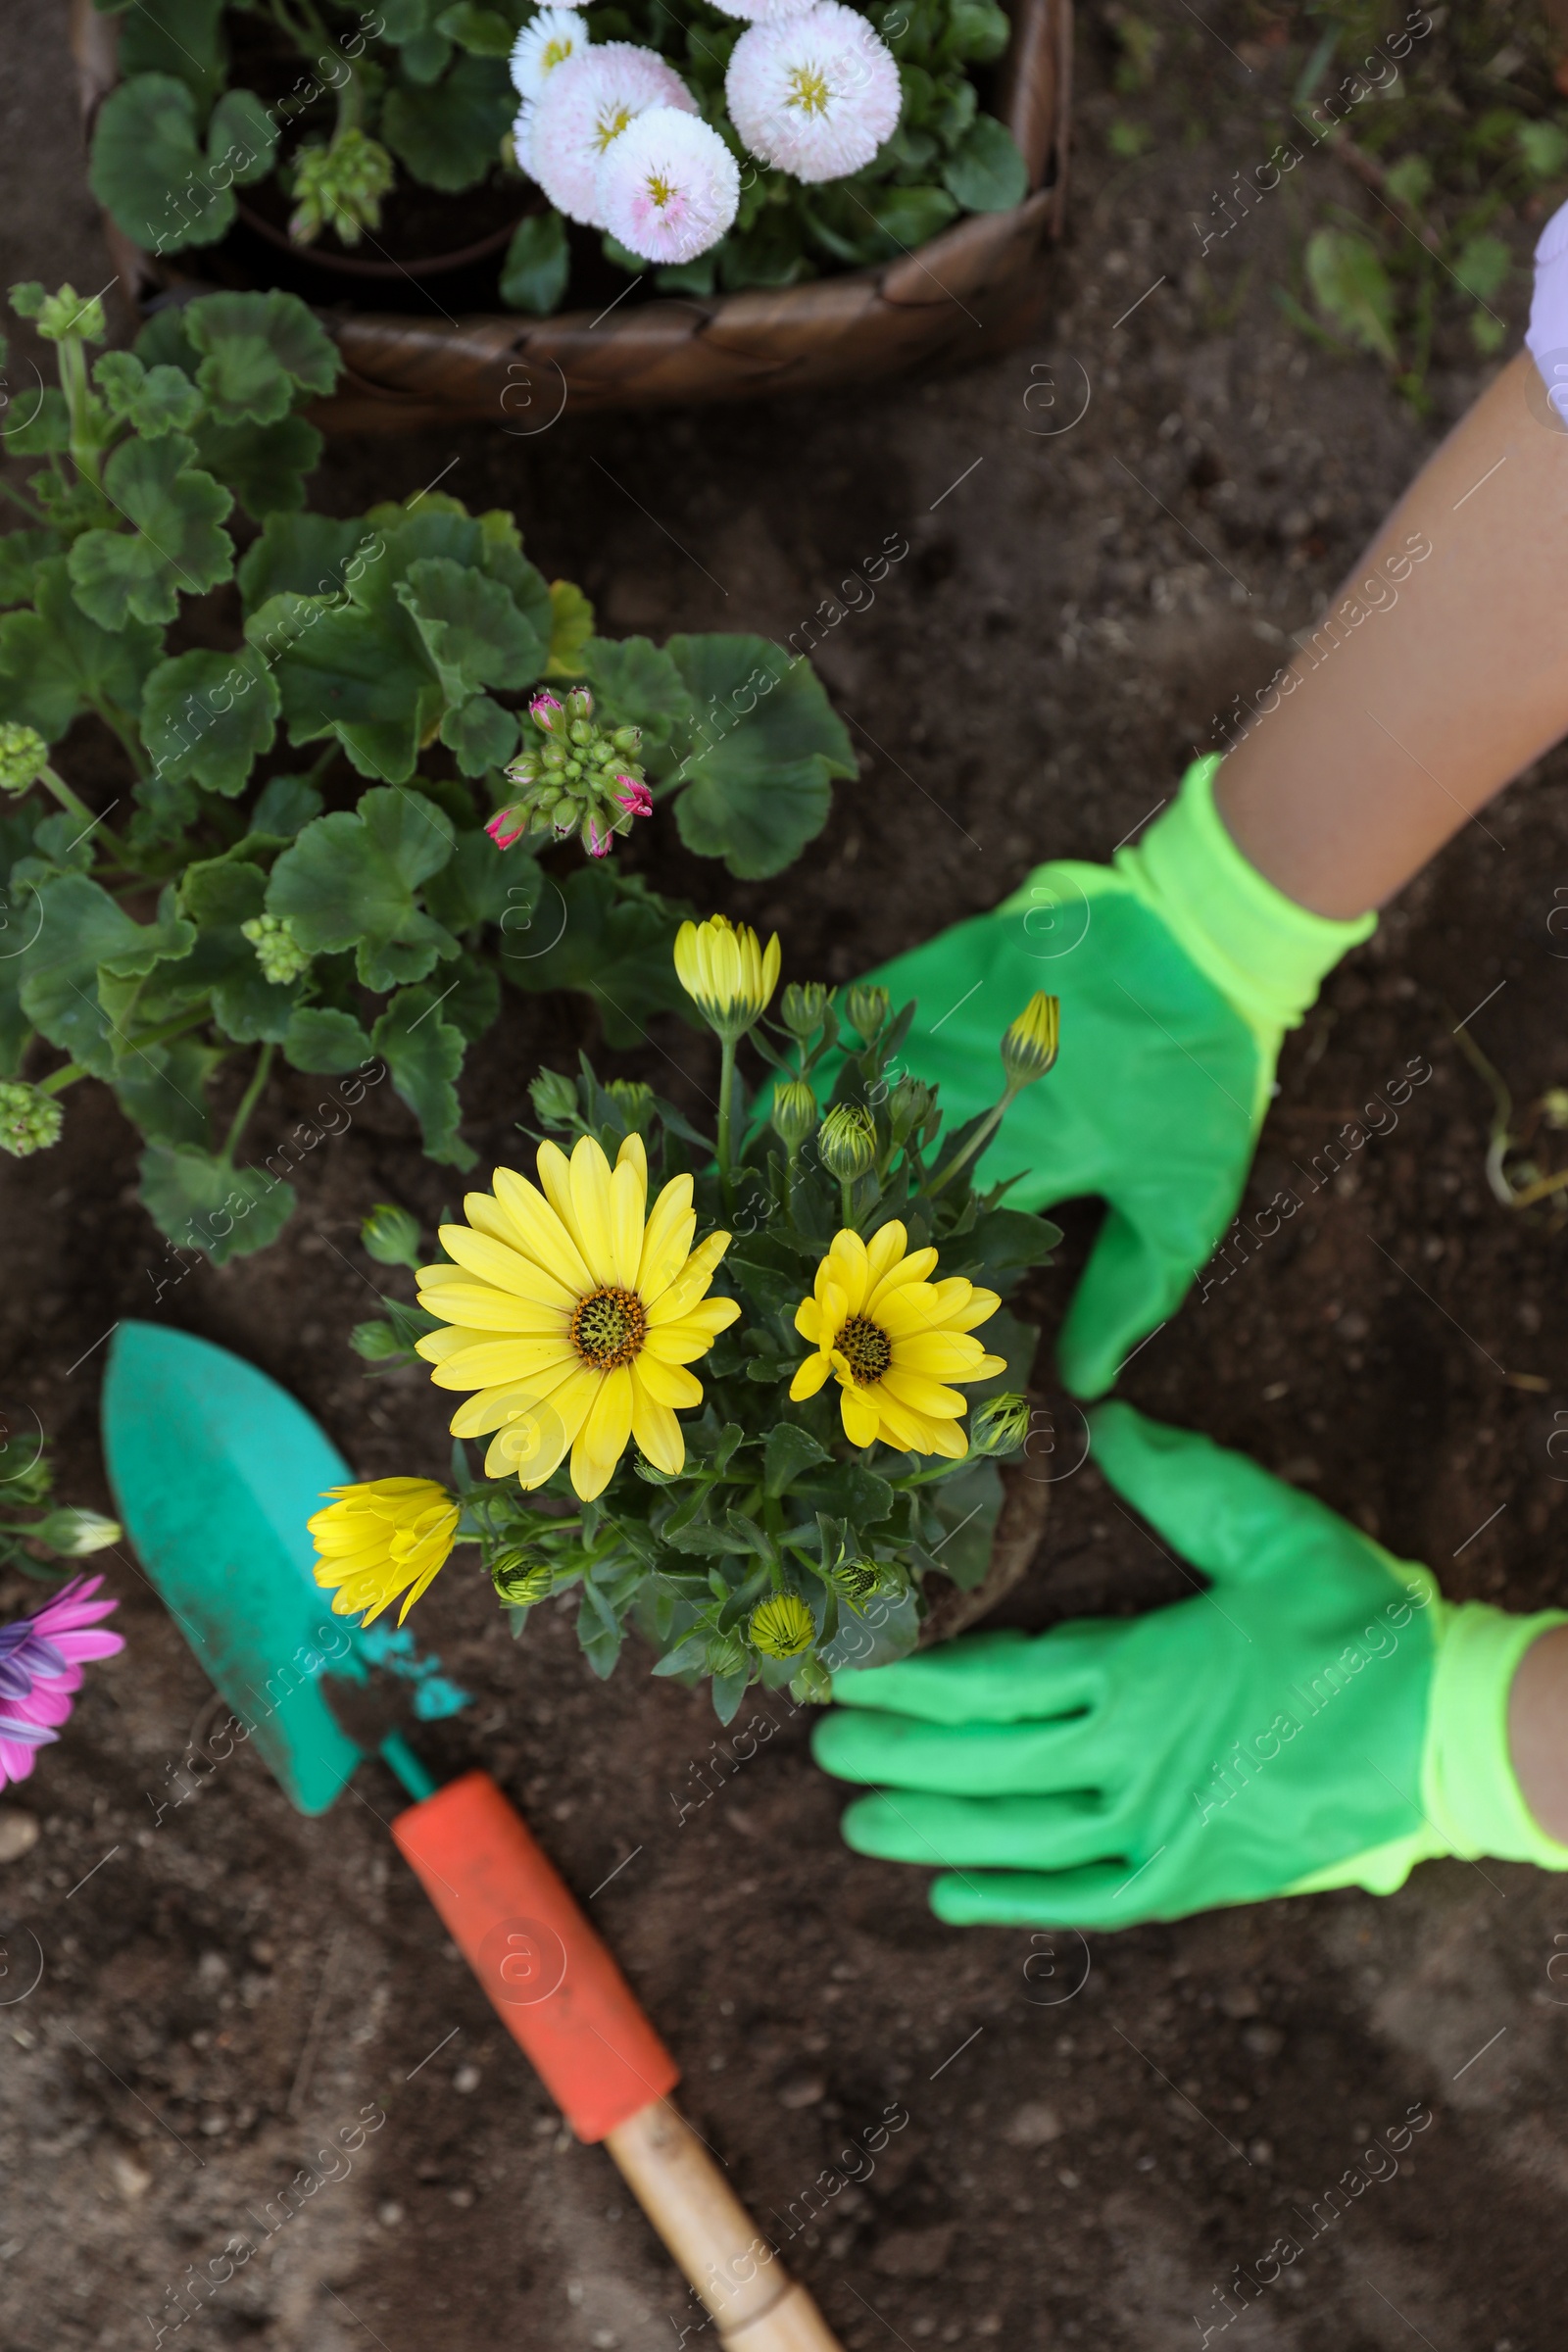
{"x":1478,"y":1730}
{"x":1267,"y":954}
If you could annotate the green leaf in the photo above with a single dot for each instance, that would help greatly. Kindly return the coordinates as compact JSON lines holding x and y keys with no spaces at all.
{"x":967,"y":1505}
{"x":472,"y":1002}
{"x":287,"y":803}
{"x":183,"y":39}
{"x":45,"y":432}
{"x":210,"y":716}
{"x":1352,"y":289}
{"x":1409,"y":182}
{"x":202,"y":1203}
{"x":82,"y":929}
{"x":484,"y":30}
{"x":55,"y":662}
{"x":907,"y":218}
{"x":151,"y":401}
{"x":241,"y":138}
{"x":481,"y":735}
{"x":470,"y":627}
{"x":221,"y":892}
{"x":758,"y":765}
{"x":148,"y":171}
{"x":263,"y":465}
{"x":349,"y":882}
{"x":20,"y":554}
{"x":362,"y":676}
{"x":790,"y":1450}
{"x":1544,"y":147}
{"x":571,"y":626}
{"x":305,"y":554}
{"x":538,"y":264}
{"x":978,"y":31}
{"x":1482,"y":266}
{"x":482,"y":884}
{"x":986,"y":173}
{"x":640,"y":686}
{"x":321,"y":1037}
{"x":605,"y":934}
{"x":424,"y":1053}
{"x":450,"y":136}
{"x":880,"y":1629}
{"x":849,"y":1490}
{"x":177,"y":547}
{"x":159,"y":1088}
{"x":260,"y":352}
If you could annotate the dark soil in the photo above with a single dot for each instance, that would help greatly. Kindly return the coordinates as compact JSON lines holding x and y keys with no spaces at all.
{"x":1085,"y":2160}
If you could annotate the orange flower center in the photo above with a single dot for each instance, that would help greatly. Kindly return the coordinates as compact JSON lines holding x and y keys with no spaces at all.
{"x":609,"y":1328}
{"x":866,"y":1349}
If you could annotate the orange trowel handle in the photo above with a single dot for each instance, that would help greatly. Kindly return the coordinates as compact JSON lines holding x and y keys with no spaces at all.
{"x":567,"y":2004}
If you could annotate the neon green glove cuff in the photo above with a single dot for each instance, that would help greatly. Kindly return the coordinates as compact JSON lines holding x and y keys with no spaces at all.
{"x":1268,"y":955}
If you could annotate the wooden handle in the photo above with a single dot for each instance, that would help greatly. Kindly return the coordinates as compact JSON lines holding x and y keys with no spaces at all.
{"x":757,"y":2306}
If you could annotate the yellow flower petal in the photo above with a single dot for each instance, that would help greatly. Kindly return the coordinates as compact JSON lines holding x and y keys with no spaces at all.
{"x":922,"y":1395}
{"x":633,"y":1153}
{"x":602,"y":1439}
{"x":667,"y":1240}
{"x":507,"y":1269}
{"x":385,"y":1536}
{"x":692,"y":1280}
{"x":540,"y":1230}
{"x":898,"y":1426}
{"x":590,"y":1203}
{"x":482,"y":1308}
{"x":912,"y":1269}
{"x":672,"y":1384}
{"x":808,"y":1378}
{"x":495,"y":1363}
{"x":493,"y":1408}
{"x":628,"y":1197}
{"x":850,"y":1270}
{"x":684,"y":1342}
{"x":940,"y":1354}
{"x":533,"y":1443}
{"x":655,"y":1427}
{"x":885,"y":1249}
{"x":861,"y":1423}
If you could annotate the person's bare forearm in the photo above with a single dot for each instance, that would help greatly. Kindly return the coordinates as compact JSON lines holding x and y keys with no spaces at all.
{"x":1401,"y":723}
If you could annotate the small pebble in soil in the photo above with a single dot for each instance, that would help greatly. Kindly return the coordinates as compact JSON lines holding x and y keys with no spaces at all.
{"x":389,"y":2213}
{"x":466,"y":2079}
{"x":1032,"y":2126}
{"x":1265,"y":2041}
{"x":132,"y":2180}
{"x":801,"y":2090}
{"x":19,"y":1832}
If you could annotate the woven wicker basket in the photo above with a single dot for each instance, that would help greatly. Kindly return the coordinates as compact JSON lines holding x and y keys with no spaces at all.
{"x":975,"y":289}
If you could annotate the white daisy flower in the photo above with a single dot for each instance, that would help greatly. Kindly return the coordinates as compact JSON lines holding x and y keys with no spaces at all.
{"x":668,"y":186}
{"x":585,"y":105}
{"x":816,"y":91}
{"x":762,"y":12}
{"x":546,"y":40}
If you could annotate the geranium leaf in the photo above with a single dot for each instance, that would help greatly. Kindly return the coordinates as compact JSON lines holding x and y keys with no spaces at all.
{"x":758,"y":765}
{"x":538,"y":264}
{"x":482,"y":884}
{"x":152,"y":401}
{"x":161,"y":1090}
{"x":45,"y":432}
{"x":362,"y":676}
{"x":56,"y":661}
{"x":263,"y":465}
{"x":81,"y":929}
{"x":481,"y":734}
{"x":571,"y":626}
{"x":305,"y":554}
{"x":184,"y":40}
{"x":449,"y":136}
{"x":148,"y":171}
{"x":321,"y":1037}
{"x":210,"y":717}
{"x":20,"y":554}
{"x":605,"y":934}
{"x":470,"y":627}
{"x":259,"y":353}
{"x":202,"y":1202}
{"x":484,"y":30}
{"x":986,"y":173}
{"x":640,"y":687}
{"x":242,"y":138}
{"x":424,"y":1053}
{"x":349,"y":882}
{"x":176,"y":547}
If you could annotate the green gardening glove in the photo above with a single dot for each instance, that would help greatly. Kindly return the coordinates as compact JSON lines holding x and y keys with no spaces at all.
{"x":1319,"y":1718}
{"x":1179,"y":970}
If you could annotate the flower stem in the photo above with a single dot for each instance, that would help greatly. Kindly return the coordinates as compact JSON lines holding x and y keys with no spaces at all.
{"x":726,"y":1097}
{"x":26,"y":505}
{"x":58,"y":1080}
{"x":976,"y":1143}
{"x":65,"y":796}
{"x":247,"y":1104}
{"x":846,"y":1200}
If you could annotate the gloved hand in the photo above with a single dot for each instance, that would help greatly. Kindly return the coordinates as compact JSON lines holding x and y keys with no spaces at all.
{"x":1179,"y":969}
{"x":1320,"y":1718}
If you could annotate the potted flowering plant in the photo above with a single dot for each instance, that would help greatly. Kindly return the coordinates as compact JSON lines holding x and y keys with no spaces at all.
{"x":745,"y":1390}
{"x":448,"y":702}
{"x":732,"y":155}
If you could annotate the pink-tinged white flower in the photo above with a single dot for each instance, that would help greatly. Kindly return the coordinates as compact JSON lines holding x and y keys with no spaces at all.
{"x":546,"y":41}
{"x":762,"y":12}
{"x":543,"y":710}
{"x":40,"y":1670}
{"x":814,"y":93}
{"x":506,"y":826}
{"x":594,"y":840}
{"x":584,"y":106}
{"x":668,"y":187}
{"x":634,"y":796}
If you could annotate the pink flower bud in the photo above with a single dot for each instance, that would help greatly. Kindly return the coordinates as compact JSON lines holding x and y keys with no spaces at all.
{"x":506,"y":826}
{"x":543,"y":710}
{"x":634,"y":796}
{"x":596,"y":843}
{"x":581,"y":702}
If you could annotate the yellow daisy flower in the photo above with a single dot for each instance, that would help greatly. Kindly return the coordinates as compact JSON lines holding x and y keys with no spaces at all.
{"x":894,"y":1338}
{"x":574,"y":1314}
{"x":375,"y":1539}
